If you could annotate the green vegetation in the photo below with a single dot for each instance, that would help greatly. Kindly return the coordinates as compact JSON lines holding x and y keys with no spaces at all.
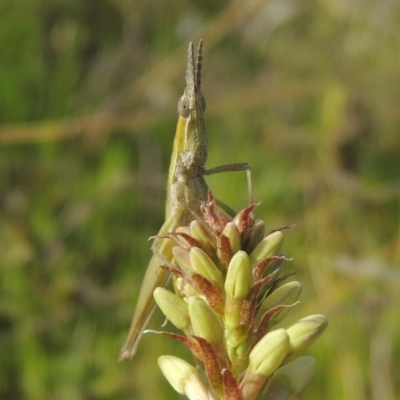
{"x":306,"y":92}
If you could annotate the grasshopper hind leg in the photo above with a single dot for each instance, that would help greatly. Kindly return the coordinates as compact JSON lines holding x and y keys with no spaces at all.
{"x":232,"y":168}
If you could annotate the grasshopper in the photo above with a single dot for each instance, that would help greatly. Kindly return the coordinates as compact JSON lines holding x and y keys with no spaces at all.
{"x":186,"y":189}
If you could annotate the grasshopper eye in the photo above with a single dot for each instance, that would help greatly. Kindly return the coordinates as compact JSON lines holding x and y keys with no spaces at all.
{"x":183,"y":107}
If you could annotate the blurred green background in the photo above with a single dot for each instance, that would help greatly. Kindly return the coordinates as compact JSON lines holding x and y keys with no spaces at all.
{"x":308,"y":92}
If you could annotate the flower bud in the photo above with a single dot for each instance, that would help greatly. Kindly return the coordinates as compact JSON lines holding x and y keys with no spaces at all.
{"x":206,"y":323}
{"x":268,"y":247}
{"x":239,"y":279}
{"x":305,"y":331}
{"x":238,"y":283}
{"x":183,"y":377}
{"x":181,"y":256}
{"x":173,"y":307}
{"x":203,"y":265}
{"x":286,"y":295}
{"x":232,"y":233}
{"x":266,"y":356}
{"x":290,"y":379}
{"x":203,"y":236}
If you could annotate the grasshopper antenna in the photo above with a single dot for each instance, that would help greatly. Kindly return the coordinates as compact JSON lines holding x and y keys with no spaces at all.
{"x":197,"y":70}
{"x":190,"y":69}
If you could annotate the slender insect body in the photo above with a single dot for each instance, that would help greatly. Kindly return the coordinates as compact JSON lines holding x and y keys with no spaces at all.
{"x":186,"y":189}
